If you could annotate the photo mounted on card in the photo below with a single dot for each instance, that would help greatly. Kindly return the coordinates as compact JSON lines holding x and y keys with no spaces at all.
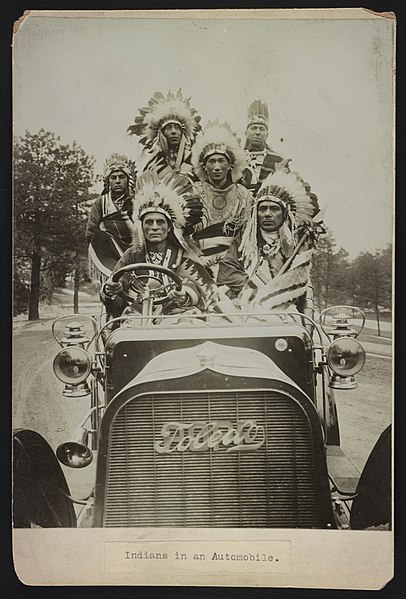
{"x":202,"y":365}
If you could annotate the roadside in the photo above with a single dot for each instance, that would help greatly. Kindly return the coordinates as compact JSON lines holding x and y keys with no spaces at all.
{"x":377,"y":349}
{"x":62,"y":305}
{"x":370,"y":333}
{"x":380,"y":345}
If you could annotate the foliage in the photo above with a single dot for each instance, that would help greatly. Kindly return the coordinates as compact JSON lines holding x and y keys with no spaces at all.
{"x":52,"y":185}
{"x":373,"y":276}
{"x":330,"y":273}
{"x":364,"y":282}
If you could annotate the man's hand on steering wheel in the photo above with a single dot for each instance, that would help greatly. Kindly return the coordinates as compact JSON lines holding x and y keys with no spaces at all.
{"x":179,"y":298}
{"x":112,"y":288}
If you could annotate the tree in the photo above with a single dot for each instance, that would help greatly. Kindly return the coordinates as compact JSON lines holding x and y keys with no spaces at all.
{"x":373,"y":273}
{"x":329,"y":273}
{"x":51,"y":185}
{"x":54,"y":270}
{"x":80,"y":263}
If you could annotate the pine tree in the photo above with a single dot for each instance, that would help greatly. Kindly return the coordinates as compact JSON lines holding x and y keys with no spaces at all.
{"x":52,"y":184}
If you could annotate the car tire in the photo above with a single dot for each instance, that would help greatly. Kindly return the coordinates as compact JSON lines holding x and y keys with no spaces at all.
{"x":40,"y":491}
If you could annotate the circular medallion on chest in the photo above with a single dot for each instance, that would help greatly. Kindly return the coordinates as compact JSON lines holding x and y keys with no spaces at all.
{"x":219,"y":202}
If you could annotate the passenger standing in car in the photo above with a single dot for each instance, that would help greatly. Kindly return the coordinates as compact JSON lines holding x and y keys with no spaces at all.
{"x":261,"y":158}
{"x":167,"y":128}
{"x":109,"y":228}
{"x":164,"y":211}
{"x":218,"y":161}
{"x":281,"y":216}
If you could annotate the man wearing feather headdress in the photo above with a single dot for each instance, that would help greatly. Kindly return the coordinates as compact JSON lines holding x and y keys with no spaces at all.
{"x":281,"y":216}
{"x":167,"y":128}
{"x":261,"y":158}
{"x":218,"y":161}
{"x":165,"y":210}
{"x":109,"y":227}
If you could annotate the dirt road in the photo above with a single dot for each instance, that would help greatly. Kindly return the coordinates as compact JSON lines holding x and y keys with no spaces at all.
{"x":366,"y":411}
{"x":38,"y":403}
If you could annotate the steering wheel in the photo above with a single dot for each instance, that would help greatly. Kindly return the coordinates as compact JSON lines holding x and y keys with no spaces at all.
{"x":140,"y":288}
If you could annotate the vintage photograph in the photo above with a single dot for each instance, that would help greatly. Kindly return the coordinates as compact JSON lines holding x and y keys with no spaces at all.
{"x":202,"y":308}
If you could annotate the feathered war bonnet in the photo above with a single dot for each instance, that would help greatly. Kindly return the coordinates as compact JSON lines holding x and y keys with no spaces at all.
{"x":174,"y":196}
{"x":299,"y":206}
{"x":218,"y":139}
{"x":162,"y":110}
{"x":119,"y":162}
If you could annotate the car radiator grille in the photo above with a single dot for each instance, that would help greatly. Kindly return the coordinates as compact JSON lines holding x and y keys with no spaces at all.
{"x":272,"y":486}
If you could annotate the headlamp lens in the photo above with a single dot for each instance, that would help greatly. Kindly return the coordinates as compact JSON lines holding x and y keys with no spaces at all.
{"x":346,"y":356}
{"x":72,"y":365}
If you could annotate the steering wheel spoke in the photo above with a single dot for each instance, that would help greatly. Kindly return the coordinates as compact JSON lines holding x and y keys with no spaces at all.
{"x":165,"y":288}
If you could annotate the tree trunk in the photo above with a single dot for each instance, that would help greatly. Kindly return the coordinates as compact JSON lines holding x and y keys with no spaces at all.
{"x":377,"y":319}
{"x":50,"y":294}
{"x":49,"y":290}
{"x":76,"y":282}
{"x":33,"y":312}
{"x":318,"y":294}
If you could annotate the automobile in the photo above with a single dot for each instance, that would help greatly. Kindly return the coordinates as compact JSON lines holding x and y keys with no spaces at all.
{"x":204,"y":420}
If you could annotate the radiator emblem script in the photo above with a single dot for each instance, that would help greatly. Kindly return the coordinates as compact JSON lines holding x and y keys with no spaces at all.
{"x":200,"y":436}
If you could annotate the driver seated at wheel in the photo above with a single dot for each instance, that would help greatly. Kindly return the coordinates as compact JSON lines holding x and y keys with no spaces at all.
{"x":164,"y":212}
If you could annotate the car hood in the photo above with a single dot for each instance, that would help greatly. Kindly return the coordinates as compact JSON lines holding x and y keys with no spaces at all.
{"x":224,"y":359}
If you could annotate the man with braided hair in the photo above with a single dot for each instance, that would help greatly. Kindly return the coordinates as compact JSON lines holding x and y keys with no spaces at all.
{"x":109,"y":227}
{"x":281,"y":217}
{"x":218,"y":161}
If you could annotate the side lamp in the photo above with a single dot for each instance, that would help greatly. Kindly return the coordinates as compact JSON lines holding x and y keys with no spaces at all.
{"x":345,"y":357}
{"x":72,"y":365}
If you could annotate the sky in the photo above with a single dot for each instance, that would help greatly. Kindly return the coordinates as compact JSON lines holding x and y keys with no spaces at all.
{"x":327,"y":83}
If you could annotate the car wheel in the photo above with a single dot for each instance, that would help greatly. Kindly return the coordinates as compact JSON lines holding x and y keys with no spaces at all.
{"x":40,"y":491}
